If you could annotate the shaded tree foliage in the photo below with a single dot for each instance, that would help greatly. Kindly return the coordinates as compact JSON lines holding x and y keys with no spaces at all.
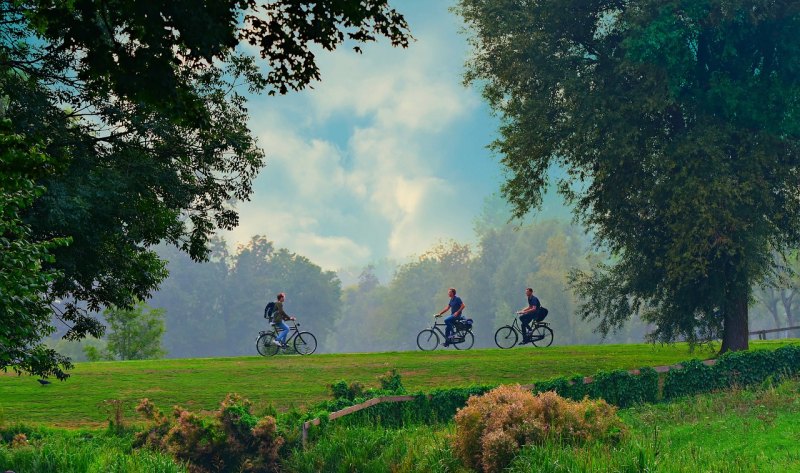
{"x":24,"y":305}
{"x":139,"y":105}
{"x":677,"y":123}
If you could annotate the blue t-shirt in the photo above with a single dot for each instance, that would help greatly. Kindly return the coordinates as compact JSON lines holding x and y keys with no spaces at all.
{"x":534,"y":301}
{"x":455,"y":304}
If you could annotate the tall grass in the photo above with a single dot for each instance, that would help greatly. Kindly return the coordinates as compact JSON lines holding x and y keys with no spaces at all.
{"x":61,"y":451}
{"x":362,"y":449}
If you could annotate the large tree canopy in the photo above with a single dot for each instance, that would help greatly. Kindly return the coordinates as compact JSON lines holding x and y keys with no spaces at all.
{"x":678,"y":122}
{"x":139,"y":105}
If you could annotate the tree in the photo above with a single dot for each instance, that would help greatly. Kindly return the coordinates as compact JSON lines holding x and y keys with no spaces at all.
{"x":24,"y":297}
{"x":139,"y":106}
{"x":677,"y":124}
{"x":135,"y":334}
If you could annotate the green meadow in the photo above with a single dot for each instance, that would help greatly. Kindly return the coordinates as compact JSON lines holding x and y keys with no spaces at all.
{"x":284,"y":382}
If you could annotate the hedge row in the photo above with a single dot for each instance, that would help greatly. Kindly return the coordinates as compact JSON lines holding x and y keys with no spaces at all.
{"x":618,"y":387}
{"x":737,"y":369}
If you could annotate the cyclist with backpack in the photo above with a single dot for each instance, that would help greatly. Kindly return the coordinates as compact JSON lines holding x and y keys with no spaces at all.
{"x":534,"y":311}
{"x":456,"y":306}
{"x":277,"y":316}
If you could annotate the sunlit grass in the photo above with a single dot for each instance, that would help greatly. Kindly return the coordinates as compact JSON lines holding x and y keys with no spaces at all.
{"x":294,"y":381}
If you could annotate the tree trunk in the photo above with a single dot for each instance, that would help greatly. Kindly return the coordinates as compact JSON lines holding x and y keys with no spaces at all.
{"x":735,"y":325}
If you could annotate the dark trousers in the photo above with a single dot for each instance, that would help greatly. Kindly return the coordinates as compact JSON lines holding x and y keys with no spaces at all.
{"x":526,"y":322}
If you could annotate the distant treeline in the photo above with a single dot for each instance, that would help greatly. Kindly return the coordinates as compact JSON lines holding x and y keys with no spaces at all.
{"x":216,"y":308}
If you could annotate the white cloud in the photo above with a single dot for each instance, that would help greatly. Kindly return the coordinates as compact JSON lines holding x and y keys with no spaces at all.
{"x":373,"y":190}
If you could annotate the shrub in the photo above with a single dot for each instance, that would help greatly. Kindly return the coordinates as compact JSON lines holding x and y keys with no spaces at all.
{"x":342,"y":390}
{"x":19,"y":440}
{"x":391,"y":382}
{"x":232,"y":440}
{"x":492,"y":428}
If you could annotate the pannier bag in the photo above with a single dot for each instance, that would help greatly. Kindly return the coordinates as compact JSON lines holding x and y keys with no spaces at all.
{"x":541,"y":314}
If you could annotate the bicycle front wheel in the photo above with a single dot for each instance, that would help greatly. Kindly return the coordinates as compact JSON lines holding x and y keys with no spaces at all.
{"x":506,"y":337}
{"x":542,"y":336}
{"x":469,"y":340}
{"x":266,"y":344}
{"x":305,"y":343}
{"x":427,"y":340}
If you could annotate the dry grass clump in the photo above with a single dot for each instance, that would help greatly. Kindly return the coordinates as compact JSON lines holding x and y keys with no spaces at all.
{"x":233,"y":440}
{"x":19,"y":441}
{"x":492,"y":428}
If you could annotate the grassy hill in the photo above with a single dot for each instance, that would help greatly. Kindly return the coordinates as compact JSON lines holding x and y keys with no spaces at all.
{"x":287,"y":381}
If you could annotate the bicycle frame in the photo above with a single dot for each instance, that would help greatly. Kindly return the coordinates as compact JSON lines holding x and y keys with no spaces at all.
{"x":517,"y":327}
{"x":436,"y":327}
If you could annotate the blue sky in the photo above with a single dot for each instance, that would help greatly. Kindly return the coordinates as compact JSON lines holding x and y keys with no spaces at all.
{"x":383,"y":158}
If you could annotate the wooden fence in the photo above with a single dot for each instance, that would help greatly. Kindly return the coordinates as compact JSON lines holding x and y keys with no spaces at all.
{"x":382,"y":399}
{"x":762,"y":334}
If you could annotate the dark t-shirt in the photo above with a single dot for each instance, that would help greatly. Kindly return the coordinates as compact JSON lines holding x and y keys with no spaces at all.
{"x":455,"y":304}
{"x":534,"y":301}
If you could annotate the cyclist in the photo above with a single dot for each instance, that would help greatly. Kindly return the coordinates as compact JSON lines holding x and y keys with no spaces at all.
{"x":456,"y":306}
{"x":528,"y":314}
{"x":279,"y":316}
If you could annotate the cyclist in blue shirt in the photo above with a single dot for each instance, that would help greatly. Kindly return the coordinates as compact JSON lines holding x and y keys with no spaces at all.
{"x":456,"y":306}
{"x":527,"y":314}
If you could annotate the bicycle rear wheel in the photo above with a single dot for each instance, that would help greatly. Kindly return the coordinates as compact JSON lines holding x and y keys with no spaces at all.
{"x":265,"y":344}
{"x":305,"y":343}
{"x":469,"y":340}
{"x":506,"y":337}
{"x":427,"y":340}
{"x":541,"y":336}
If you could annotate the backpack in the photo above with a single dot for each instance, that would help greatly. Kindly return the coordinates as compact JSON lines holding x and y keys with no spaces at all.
{"x":269,"y":310}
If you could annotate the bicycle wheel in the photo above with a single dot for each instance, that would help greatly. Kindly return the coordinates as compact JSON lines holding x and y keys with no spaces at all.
{"x":265,"y":344}
{"x":427,"y":340}
{"x":506,"y":337}
{"x":542,"y":336}
{"x":469,"y":340}
{"x":305,"y":343}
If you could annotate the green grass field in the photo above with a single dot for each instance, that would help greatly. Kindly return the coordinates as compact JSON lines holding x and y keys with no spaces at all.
{"x":287,"y":381}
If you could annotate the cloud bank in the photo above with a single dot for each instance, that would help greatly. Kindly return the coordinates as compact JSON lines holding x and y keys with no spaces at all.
{"x":379,"y":160}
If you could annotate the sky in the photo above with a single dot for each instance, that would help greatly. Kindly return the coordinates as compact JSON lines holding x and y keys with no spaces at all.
{"x":383,"y":158}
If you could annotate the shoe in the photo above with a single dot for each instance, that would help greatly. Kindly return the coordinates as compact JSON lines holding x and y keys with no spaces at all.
{"x":276,"y":342}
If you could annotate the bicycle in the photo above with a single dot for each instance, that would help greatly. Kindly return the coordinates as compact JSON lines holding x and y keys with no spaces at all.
{"x":507,"y":336}
{"x":304,"y":343}
{"x":463,"y":339}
